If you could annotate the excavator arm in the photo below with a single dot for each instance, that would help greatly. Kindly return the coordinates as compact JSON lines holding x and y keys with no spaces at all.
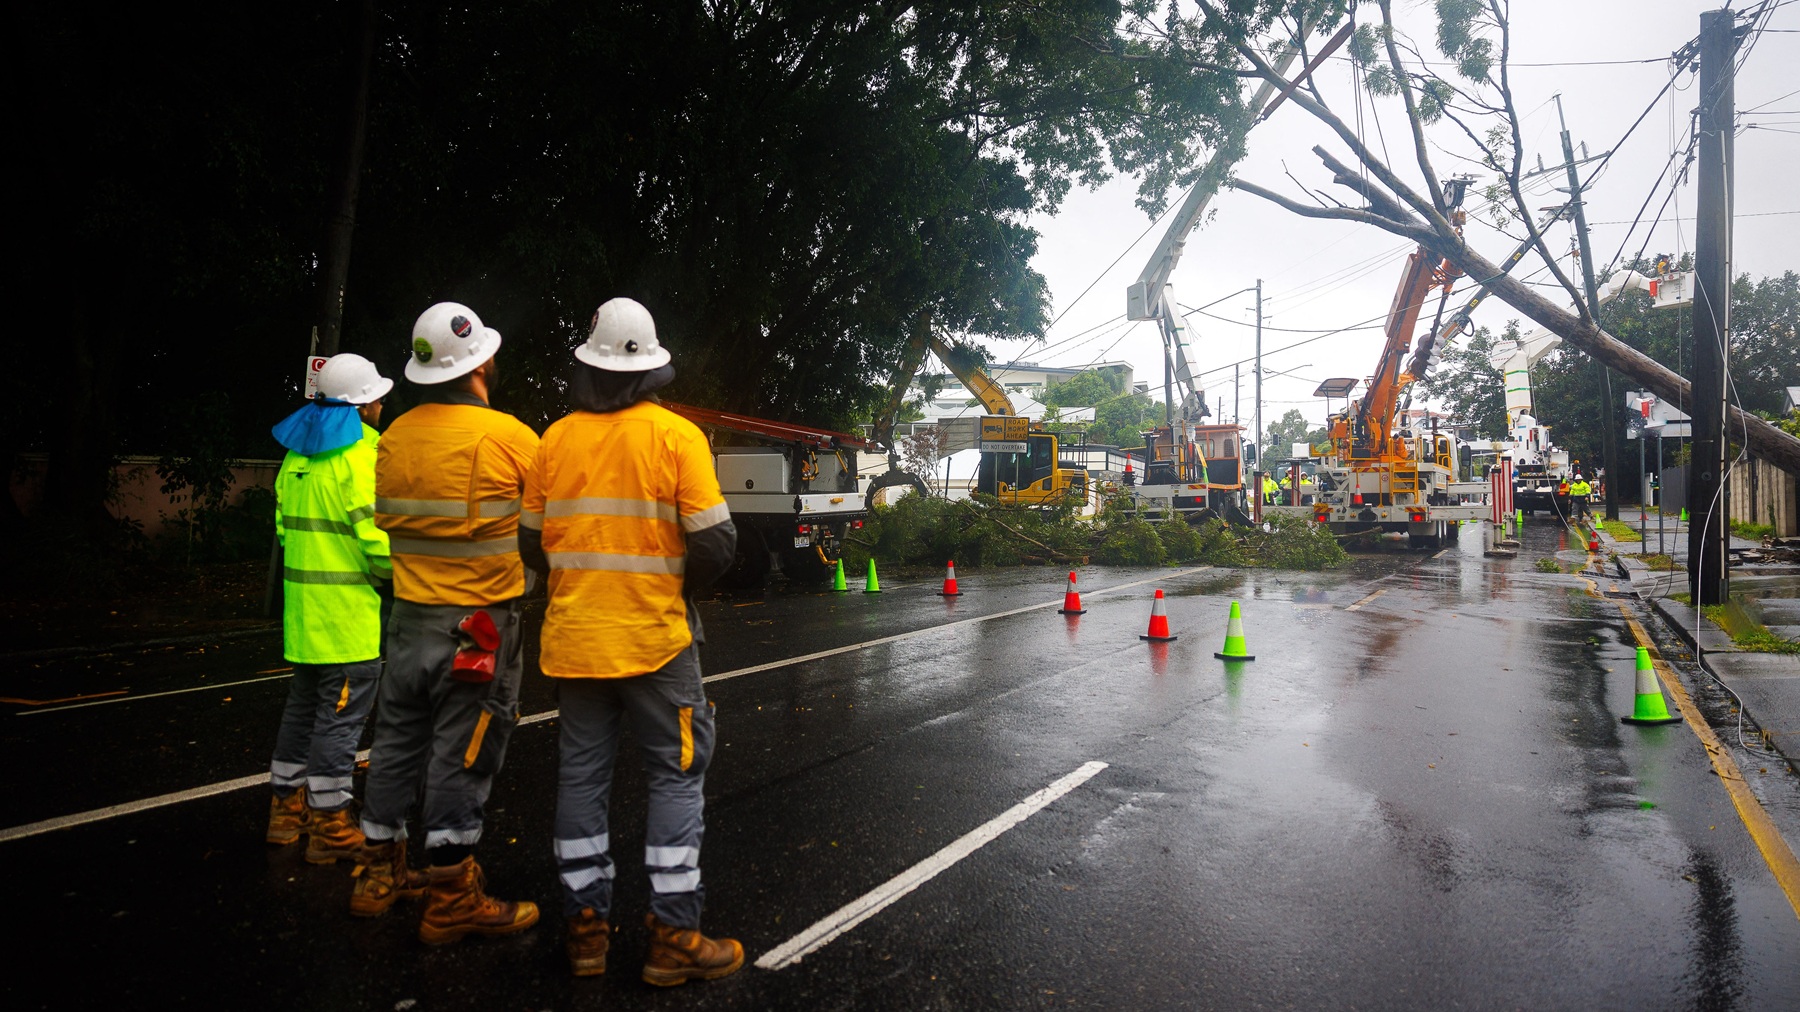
{"x":960,"y":362}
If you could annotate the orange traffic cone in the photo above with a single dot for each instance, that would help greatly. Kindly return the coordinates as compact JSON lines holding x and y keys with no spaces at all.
{"x":1159,"y":621}
{"x":950,"y":580}
{"x":1071,"y":600}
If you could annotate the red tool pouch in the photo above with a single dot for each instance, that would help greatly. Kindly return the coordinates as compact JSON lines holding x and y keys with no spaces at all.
{"x":478,"y":638}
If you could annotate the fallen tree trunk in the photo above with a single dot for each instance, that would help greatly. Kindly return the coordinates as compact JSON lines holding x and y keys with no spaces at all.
{"x":1762,"y":438}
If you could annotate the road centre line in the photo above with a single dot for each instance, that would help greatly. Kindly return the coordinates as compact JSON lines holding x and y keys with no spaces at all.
{"x":897,"y":637}
{"x":262,"y":779}
{"x":1367,"y":599}
{"x":772,"y":665}
{"x":878,"y":899}
{"x":149,"y":695}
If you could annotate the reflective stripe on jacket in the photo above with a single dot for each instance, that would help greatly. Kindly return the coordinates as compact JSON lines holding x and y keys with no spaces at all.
{"x":447,"y":493}
{"x":616,"y":496}
{"x":332,"y":554}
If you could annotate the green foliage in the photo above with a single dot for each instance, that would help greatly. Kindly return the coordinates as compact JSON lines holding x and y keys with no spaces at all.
{"x":1746,"y":632}
{"x":1086,"y":389}
{"x":1548,"y":566}
{"x":1753,"y":532}
{"x":1620,"y":530}
{"x":1291,"y":429}
{"x":1294,"y":543}
{"x":1790,"y":424}
{"x":1130,"y":541}
{"x":1463,"y":381}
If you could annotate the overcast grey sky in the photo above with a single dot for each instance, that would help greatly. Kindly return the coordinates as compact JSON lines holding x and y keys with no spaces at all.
{"x":1320,"y":275}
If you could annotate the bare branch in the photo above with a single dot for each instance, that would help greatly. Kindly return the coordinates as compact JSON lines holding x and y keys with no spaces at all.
{"x":1412,"y":108}
{"x":1518,"y":158}
{"x":1416,"y":233}
{"x":1422,"y":205}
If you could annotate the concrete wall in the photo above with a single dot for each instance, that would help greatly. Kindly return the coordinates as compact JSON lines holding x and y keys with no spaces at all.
{"x":138,"y":492}
{"x":1761,"y":493}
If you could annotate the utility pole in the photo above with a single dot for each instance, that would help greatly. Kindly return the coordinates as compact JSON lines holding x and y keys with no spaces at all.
{"x":1259,"y":428}
{"x":1237,"y":397}
{"x":1712,"y":308}
{"x":1609,"y":429}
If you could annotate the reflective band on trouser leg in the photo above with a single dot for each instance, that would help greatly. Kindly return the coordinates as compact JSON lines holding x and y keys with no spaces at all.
{"x":460,"y":772}
{"x":341,"y":703}
{"x":327,"y":793}
{"x":293,"y":739}
{"x":588,"y":738}
{"x":287,"y":776}
{"x":676,"y":753}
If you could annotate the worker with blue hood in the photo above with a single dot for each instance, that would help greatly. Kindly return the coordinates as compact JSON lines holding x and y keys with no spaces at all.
{"x":333,"y":560}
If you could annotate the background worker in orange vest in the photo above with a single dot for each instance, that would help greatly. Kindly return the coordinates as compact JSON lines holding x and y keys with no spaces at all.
{"x":623,"y":510}
{"x":448,"y":481}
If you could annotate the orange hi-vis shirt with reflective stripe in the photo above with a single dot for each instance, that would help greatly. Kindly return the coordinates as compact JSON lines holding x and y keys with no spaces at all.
{"x":615,"y":495}
{"x":448,"y":478}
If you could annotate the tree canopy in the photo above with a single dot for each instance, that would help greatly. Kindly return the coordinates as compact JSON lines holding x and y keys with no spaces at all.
{"x":789,"y":188}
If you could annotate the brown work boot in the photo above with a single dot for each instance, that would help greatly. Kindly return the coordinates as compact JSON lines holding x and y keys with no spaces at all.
{"x":335,"y":836}
{"x":456,"y":905}
{"x":382,"y":877}
{"x":678,"y":955}
{"x":287,"y":817}
{"x":589,"y":936}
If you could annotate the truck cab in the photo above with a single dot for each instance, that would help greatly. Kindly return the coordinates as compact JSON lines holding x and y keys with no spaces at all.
{"x":1036,"y":477}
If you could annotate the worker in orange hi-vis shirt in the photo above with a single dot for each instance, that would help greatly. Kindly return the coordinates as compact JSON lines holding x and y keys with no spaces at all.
{"x":448,"y":481}
{"x":623,"y":510}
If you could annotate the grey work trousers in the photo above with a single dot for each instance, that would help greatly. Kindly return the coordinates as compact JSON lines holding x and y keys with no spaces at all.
{"x":435,"y":733}
{"x":673,"y":723}
{"x":316,"y":745}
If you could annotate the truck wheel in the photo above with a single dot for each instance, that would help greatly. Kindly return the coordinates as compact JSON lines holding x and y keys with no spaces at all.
{"x":750,"y":569}
{"x":803,"y":566}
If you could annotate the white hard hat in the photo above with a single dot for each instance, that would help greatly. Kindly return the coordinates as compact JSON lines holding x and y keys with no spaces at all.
{"x":352,"y":379}
{"x":622,"y":338}
{"x":449,"y":341}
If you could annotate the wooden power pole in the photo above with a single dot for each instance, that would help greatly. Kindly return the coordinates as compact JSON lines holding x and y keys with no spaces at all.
{"x":1712,"y":310}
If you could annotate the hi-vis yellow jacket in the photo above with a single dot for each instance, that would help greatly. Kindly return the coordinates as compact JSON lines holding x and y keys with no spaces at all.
{"x":447,"y":485}
{"x":616,"y":495}
{"x":332,"y":554}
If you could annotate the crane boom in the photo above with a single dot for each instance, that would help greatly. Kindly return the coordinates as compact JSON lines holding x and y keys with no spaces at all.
{"x":1150,"y":298}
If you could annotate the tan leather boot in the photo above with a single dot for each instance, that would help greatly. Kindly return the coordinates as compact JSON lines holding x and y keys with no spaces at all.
{"x":678,"y":955}
{"x":589,"y":937}
{"x":382,"y":877}
{"x":457,"y":905}
{"x":287,"y":817}
{"x":334,"y":836}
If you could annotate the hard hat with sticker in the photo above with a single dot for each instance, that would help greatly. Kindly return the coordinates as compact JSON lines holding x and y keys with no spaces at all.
{"x":449,"y":341}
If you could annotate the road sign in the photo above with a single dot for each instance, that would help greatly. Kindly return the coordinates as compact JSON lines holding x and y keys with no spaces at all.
{"x":313,"y":364}
{"x":1004,"y":434}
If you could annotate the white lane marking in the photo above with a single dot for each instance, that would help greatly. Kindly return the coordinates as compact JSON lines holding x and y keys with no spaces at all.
{"x":150,"y":695}
{"x":772,"y":665}
{"x":873,"y":902}
{"x":897,"y":637}
{"x":1366,"y":600}
{"x":194,"y":793}
{"x":1441,"y":553}
{"x":141,"y":805}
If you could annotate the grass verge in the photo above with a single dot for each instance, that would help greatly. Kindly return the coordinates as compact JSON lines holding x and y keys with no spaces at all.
{"x":1619,"y":530}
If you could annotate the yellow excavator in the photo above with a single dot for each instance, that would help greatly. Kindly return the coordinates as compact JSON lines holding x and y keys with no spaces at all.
{"x":1020,"y":465}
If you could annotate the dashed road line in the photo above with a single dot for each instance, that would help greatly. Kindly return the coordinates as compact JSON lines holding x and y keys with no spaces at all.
{"x":880,"y":898}
{"x":1366,"y":600}
{"x":262,"y":779}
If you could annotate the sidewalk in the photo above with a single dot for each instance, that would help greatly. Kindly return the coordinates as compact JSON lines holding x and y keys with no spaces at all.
{"x":1768,"y":684}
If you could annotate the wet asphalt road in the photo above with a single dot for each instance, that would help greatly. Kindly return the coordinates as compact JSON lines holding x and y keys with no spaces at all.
{"x":1418,"y":796}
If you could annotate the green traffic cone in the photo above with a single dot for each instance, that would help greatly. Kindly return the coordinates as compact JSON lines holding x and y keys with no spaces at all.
{"x":837,"y":579}
{"x":1684,"y":514}
{"x":873,"y":585}
{"x":1649,"y":708}
{"x":1234,"y":638}
{"x":1519,"y":518}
